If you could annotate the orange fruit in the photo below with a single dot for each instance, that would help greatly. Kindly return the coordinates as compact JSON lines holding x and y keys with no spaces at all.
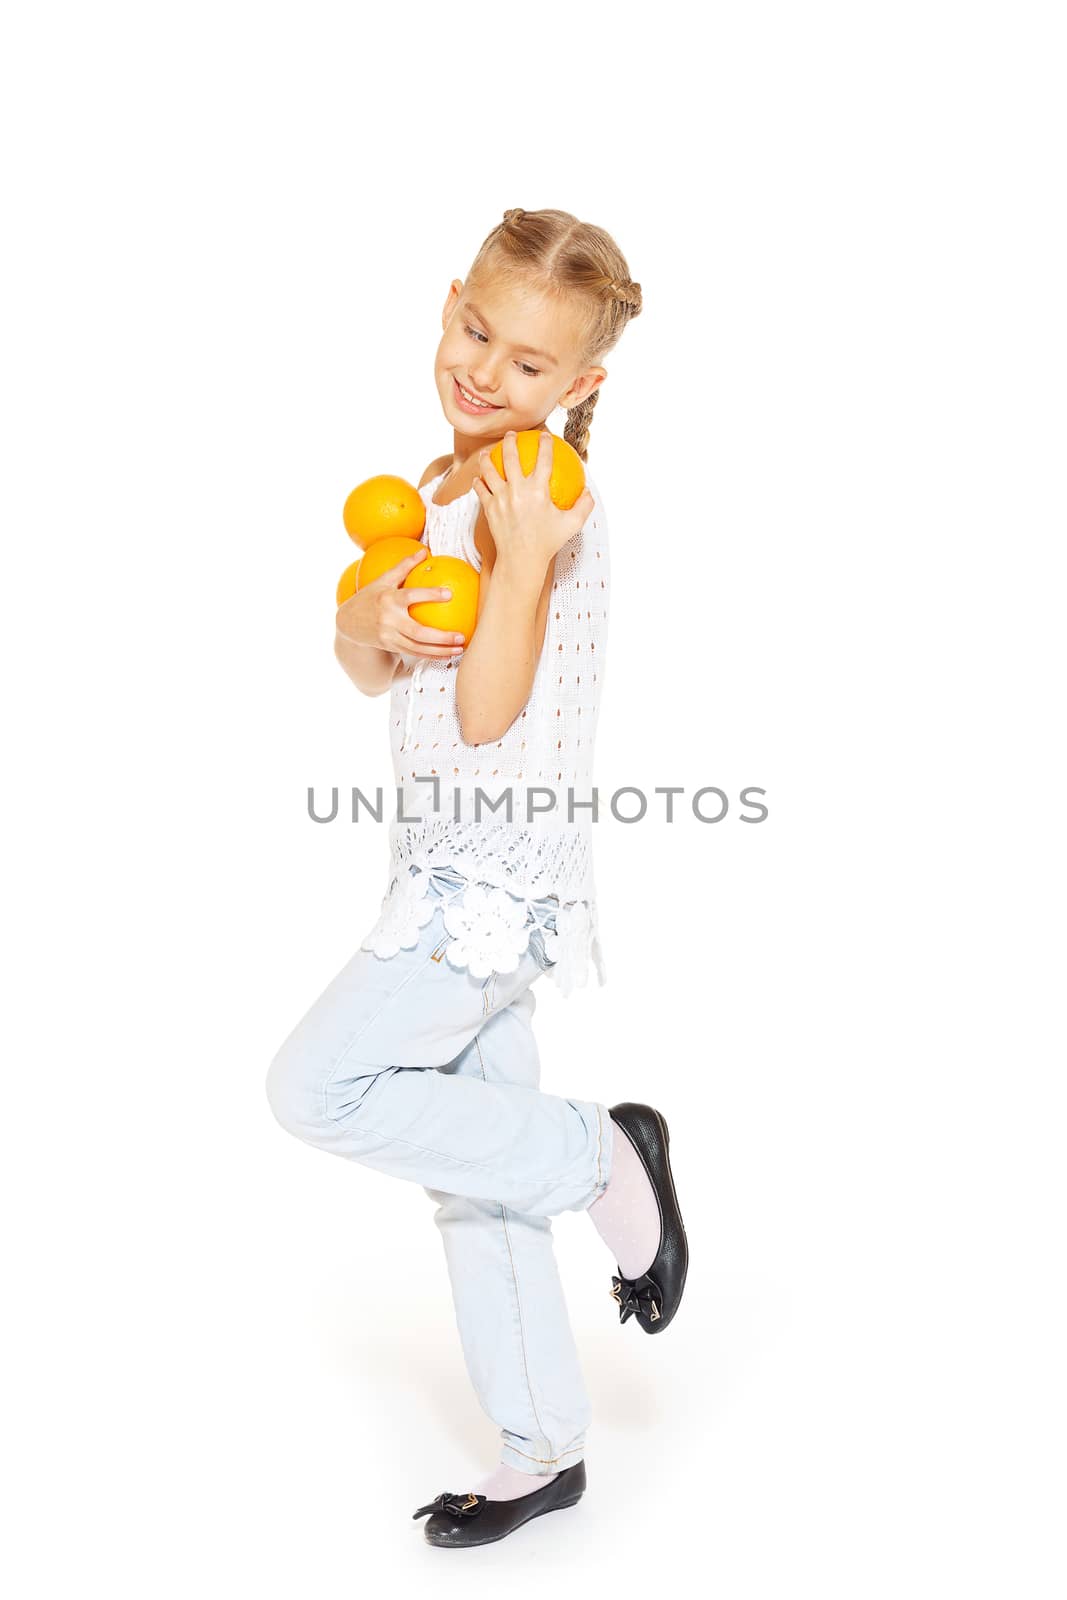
{"x":381,"y":507}
{"x":383,"y":554}
{"x":348,"y":585}
{"x":458,"y":615}
{"x":568,"y":474}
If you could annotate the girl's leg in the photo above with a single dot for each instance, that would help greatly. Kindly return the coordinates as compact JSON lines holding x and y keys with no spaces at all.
{"x":512,"y":1317}
{"x":356,"y":1077}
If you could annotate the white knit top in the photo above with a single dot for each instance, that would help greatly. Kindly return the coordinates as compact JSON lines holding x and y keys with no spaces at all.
{"x":506,"y":880}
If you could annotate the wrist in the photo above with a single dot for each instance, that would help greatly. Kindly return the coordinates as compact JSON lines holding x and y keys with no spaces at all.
{"x":347,"y":638}
{"x":520,"y":567}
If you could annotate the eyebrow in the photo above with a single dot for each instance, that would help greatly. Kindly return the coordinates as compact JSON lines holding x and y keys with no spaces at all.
{"x":526,"y":348}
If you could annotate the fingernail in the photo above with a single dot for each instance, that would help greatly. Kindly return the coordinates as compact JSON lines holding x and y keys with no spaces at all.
{"x":459,"y":638}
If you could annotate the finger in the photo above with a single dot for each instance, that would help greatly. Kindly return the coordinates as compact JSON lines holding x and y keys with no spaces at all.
{"x":512,"y":465}
{"x":579,"y":513}
{"x":426,"y":640}
{"x":406,"y":648}
{"x":430,"y":635}
{"x":394,"y":576}
{"x":490,"y":476}
{"x":417,"y":597}
{"x":581,"y":510}
{"x":545,"y":455}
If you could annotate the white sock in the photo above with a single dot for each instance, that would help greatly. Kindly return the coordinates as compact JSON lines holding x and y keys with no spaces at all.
{"x":508,"y":1483}
{"x":626,"y":1216}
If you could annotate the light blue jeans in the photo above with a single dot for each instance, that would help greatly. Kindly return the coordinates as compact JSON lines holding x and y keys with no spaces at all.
{"x":415,"y":1067}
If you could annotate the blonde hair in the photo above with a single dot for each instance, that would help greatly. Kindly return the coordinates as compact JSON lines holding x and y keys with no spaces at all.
{"x":552,"y":252}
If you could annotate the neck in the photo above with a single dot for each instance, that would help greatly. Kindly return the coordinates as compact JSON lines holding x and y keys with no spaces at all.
{"x":465,"y":453}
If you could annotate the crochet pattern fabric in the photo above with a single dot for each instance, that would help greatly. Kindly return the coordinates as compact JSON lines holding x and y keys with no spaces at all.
{"x":516,"y":861}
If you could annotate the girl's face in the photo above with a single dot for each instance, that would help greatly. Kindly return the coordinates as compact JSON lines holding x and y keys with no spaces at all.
{"x":512,"y":348}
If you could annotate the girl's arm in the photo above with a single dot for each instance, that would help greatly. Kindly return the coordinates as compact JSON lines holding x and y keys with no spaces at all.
{"x":377,"y":617}
{"x":374,"y":628}
{"x":369,"y":668}
{"x":497,"y":671}
{"x":519,"y":533}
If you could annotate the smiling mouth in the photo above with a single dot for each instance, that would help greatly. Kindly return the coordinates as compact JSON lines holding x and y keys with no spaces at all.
{"x":475,"y":400}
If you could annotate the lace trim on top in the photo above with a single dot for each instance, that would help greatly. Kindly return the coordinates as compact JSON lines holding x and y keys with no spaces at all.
{"x":490,"y":929}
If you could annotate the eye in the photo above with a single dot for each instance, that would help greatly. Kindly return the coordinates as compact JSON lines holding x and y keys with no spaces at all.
{"x":523,"y":366}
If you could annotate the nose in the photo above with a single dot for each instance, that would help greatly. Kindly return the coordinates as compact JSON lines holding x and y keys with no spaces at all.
{"x":484,"y":381}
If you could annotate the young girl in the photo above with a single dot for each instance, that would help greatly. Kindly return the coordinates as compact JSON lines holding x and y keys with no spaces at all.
{"x":419,"y":1059}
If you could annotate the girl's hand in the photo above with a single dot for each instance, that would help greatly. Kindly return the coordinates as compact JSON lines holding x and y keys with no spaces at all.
{"x":527,"y":525}
{"x":378,"y":615}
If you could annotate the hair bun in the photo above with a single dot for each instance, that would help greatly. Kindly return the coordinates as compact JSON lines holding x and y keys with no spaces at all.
{"x":628,"y":293}
{"x":514,"y":215}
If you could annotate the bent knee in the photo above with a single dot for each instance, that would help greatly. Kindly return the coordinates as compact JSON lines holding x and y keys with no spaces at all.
{"x":293,"y":1091}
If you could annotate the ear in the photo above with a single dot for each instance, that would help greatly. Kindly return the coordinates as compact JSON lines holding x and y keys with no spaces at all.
{"x":455,"y":289}
{"x":582,"y":387}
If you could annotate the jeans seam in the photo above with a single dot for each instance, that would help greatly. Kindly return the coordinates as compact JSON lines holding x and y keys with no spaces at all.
{"x":515,"y":1283}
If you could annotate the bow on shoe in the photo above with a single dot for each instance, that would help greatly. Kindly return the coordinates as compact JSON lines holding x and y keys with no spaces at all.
{"x":455,"y":1504}
{"x":637,"y":1294}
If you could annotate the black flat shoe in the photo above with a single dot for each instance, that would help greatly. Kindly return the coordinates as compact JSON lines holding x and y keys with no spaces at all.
{"x":464,"y":1519}
{"x":653,"y":1298}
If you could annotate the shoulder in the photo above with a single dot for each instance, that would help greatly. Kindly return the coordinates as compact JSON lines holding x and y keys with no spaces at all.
{"x":434,"y":468}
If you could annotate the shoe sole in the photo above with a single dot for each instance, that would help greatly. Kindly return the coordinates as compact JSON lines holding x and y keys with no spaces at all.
{"x":470,"y":1544}
{"x":678,"y":1212}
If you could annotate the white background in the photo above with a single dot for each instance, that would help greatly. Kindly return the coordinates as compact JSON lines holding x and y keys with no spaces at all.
{"x":830,"y":451}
